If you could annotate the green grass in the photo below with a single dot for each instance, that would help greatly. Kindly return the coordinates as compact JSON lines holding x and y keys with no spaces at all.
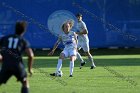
{"x":99,"y":80}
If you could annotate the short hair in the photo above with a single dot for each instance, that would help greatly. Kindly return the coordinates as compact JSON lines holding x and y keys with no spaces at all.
{"x":70,"y":22}
{"x":63,"y":26}
{"x":78,"y":15}
{"x":20,"y":27}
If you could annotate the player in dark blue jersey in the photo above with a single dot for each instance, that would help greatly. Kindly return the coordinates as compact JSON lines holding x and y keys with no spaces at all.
{"x":12,"y":47}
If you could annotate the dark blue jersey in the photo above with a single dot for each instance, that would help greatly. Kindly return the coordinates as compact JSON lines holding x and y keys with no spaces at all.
{"x":12,"y":47}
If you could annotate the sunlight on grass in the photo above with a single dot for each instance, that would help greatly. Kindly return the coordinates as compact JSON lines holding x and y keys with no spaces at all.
{"x":95,"y":57}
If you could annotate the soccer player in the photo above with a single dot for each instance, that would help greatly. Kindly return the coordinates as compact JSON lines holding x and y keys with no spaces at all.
{"x":83,"y":41}
{"x":12,"y":47}
{"x":69,"y":40}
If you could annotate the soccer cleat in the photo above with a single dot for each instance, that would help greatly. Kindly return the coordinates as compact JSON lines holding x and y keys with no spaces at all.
{"x":53,"y":74}
{"x":70,"y":76}
{"x":82,"y":64}
{"x":59,"y":75}
{"x":92,"y":67}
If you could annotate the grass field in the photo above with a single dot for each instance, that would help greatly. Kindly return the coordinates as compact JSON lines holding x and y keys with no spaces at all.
{"x":114,"y":74}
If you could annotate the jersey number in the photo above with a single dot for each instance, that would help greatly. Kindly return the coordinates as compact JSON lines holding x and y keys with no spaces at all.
{"x":13,"y":42}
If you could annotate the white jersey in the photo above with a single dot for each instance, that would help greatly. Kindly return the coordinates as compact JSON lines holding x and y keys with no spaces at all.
{"x":84,"y":37}
{"x":69,"y":40}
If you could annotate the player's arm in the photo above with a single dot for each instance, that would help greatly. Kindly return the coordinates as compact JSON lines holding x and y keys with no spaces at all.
{"x":75,"y":37}
{"x":84,"y":30}
{"x":0,"y":58}
{"x":55,"y":46}
{"x":30,"y":55}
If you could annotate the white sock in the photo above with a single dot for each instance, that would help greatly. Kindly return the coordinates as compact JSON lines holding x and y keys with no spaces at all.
{"x":71,"y":67}
{"x":91,"y":60}
{"x":79,"y":57}
{"x":59,"y":64}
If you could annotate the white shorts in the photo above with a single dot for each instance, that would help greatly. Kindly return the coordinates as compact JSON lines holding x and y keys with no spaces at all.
{"x":84,"y":46}
{"x":69,"y":52}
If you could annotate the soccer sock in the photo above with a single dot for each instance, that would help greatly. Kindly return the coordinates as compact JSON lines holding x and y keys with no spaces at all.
{"x":59,"y":64}
{"x":91,"y":60}
{"x":79,"y":57}
{"x":24,"y":90}
{"x":71,"y":67}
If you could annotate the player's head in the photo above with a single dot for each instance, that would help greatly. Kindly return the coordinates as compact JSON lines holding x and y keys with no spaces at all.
{"x":71,"y":22}
{"x":20,"y":27}
{"x":66,"y":27}
{"x":79,"y":16}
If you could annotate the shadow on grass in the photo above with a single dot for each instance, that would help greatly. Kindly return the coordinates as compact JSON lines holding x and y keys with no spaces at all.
{"x":51,"y":63}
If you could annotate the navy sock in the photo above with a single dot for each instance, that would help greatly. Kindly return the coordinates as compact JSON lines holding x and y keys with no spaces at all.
{"x":24,"y":90}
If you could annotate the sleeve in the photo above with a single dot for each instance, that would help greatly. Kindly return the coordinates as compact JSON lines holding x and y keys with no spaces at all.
{"x":26,"y":44}
{"x":84,"y":26}
{"x":60,"y":38}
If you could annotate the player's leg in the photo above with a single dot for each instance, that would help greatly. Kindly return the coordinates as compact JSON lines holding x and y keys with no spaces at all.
{"x":4,"y":75}
{"x":0,"y":58}
{"x":25,"y":86}
{"x":62,"y":56}
{"x":81,"y":60}
{"x":87,"y":53}
{"x":90,"y":58}
{"x":79,"y":57}
{"x":0,"y":61}
{"x":72,"y":59}
{"x":21,"y":75}
{"x":59,"y":64}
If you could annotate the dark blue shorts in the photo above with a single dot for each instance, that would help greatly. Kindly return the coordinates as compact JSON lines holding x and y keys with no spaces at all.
{"x":17,"y":70}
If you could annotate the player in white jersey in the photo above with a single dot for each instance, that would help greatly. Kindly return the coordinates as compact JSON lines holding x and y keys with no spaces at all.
{"x":69,"y":40}
{"x":83,"y":41}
